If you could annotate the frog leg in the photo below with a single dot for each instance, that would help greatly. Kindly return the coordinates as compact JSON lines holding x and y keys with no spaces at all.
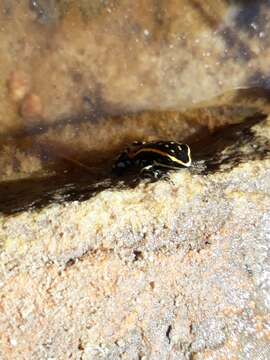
{"x":163,"y":169}
{"x":154,"y":173}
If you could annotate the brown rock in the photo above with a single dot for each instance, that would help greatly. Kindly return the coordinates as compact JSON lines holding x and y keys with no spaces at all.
{"x":163,"y":270}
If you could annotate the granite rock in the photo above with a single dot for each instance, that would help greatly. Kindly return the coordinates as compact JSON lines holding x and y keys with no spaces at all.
{"x":176,"y":270}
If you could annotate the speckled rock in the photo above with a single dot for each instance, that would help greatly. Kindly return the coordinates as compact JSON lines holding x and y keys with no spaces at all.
{"x":165,"y":270}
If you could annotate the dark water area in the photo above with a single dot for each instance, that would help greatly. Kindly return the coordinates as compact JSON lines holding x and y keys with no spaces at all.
{"x":81,"y":183}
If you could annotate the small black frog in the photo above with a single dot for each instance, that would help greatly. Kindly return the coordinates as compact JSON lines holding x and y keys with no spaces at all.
{"x":153,"y":158}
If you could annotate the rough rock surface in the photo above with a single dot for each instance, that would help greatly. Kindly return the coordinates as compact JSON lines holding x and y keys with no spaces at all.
{"x":97,"y":268}
{"x":161,"y":271}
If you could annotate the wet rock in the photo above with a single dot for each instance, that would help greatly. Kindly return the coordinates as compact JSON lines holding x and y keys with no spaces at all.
{"x":199,"y":286}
